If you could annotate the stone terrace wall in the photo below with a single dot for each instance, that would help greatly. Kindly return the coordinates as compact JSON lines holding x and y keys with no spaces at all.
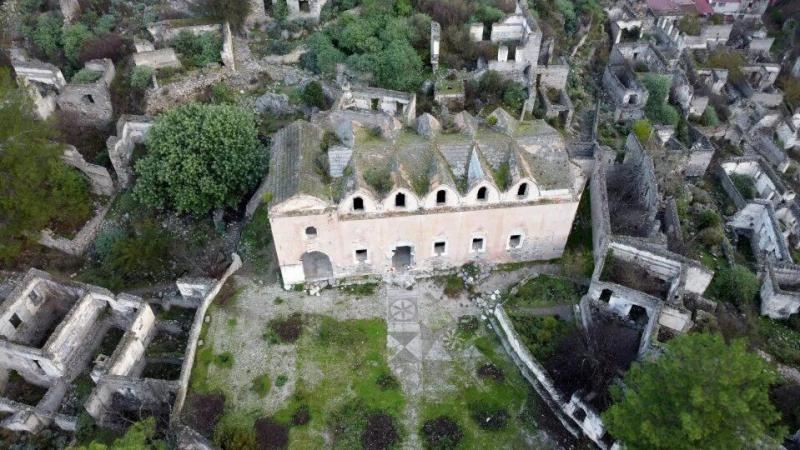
{"x":181,"y":92}
{"x":590,"y":424}
{"x":82,"y":240}
{"x":194,"y":336}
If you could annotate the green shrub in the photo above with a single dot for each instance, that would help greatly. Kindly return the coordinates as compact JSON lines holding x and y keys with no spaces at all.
{"x":657,"y":108}
{"x":234,"y":12}
{"x":86,"y":76}
{"x":198,"y":50}
{"x":642,"y":129}
{"x":262,"y":385}
{"x":142,"y":77}
{"x":46,"y":35}
{"x":453,"y":286}
{"x":736,"y":285}
{"x":230,"y":435}
{"x":107,"y":239}
{"x":709,"y":117}
{"x":514,"y":97}
{"x":313,"y":95}
{"x":708,"y":218}
{"x":489,"y":416}
{"x":73,"y":39}
{"x":222,"y":94}
{"x":281,"y":380}
{"x":745,"y":185}
{"x":380,"y":180}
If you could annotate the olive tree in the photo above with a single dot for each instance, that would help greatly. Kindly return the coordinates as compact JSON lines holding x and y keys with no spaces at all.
{"x":200,"y":157}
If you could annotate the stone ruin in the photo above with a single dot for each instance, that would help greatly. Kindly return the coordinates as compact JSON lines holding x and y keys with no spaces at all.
{"x":90,"y":103}
{"x":644,"y":287}
{"x":131,"y":131}
{"x":626,"y":93}
{"x":53,"y":330}
{"x":780,"y":292}
{"x":307,"y":10}
{"x":398,"y":104}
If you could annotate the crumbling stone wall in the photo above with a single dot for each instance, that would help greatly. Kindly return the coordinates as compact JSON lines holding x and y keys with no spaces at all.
{"x":646,"y":181}
{"x":69,"y":9}
{"x":194,"y":336}
{"x":227,"y":47}
{"x":181,"y":92}
{"x":589,"y":423}
{"x":168,"y":30}
{"x":77,"y":245}
{"x":157,"y":59}
{"x":758,"y":220}
{"x":625,"y":91}
{"x":436,"y":30}
{"x":776,"y":302}
{"x":395,"y":103}
{"x":98,"y":176}
{"x":90,"y":103}
{"x":131,"y":130}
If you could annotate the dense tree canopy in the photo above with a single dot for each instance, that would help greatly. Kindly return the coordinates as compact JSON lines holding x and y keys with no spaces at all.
{"x":37,"y":190}
{"x":736,"y":285}
{"x":702,"y":393}
{"x":200,"y":157}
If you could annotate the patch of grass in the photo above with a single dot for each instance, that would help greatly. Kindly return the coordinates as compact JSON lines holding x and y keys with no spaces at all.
{"x":453,"y":286}
{"x":352,"y":356}
{"x":363,"y":289}
{"x":278,"y":301}
{"x":486,"y":399}
{"x":544,"y":291}
{"x":232,"y":322}
{"x":262,"y":385}
{"x":224,"y":360}
{"x":281,"y":380}
{"x":256,"y":240}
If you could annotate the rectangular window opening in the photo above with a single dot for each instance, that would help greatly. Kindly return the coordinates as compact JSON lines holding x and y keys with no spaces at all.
{"x":15,"y":321}
{"x":477,"y":244}
{"x":515,"y":241}
{"x":361,"y":255}
{"x":439,"y":248}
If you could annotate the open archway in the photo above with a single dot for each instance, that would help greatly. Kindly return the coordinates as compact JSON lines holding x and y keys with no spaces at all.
{"x":316,"y":266}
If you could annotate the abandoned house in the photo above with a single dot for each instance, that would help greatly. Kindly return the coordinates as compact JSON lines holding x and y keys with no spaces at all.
{"x":414,"y":204}
{"x":626,"y":92}
{"x":50,"y":331}
{"x":398,"y":104}
{"x":780,"y":292}
{"x":89,"y":103}
{"x":758,"y":223}
{"x":308,"y":10}
{"x":643,"y":287}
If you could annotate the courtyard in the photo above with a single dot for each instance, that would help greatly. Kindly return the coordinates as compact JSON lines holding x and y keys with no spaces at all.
{"x":369,"y":367}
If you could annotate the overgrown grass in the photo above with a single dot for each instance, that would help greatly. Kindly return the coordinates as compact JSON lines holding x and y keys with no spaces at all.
{"x":780,"y":341}
{"x":544,"y":291}
{"x":578,"y":258}
{"x":539,"y":334}
{"x":352,"y":356}
{"x":473,"y":395}
{"x":256,"y":240}
{"x":262,"y":385}
{"x":363,"y":289}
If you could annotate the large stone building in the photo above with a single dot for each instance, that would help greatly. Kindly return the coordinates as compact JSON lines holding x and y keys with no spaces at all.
{"x":390,"y":199}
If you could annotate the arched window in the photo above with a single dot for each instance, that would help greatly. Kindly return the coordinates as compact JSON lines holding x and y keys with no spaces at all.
{"x":483,"y":194}
{"x":311,"y":232}
{"x":358,"y":204}
{"x":400,"y":200}
{"x":441,"y":197}
{"x":522,"y":191}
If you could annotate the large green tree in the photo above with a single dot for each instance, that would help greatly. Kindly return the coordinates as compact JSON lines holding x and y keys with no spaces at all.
{"x":200,"y":157}
{"x":701,"y":394}
{"x":37,"y":189}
